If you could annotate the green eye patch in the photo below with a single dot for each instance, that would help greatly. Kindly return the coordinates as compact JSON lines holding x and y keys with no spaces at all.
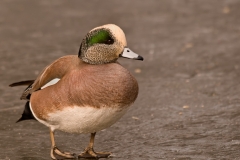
{"x":100,"y":36}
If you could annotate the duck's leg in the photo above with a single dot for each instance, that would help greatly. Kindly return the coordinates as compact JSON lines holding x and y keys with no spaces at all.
{"x":55,"y":150}
{"x":90,"y":153}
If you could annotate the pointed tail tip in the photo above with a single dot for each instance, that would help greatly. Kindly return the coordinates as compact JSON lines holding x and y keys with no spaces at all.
{"x":21,"y":119}
{"x":11,"y":85}
{"x":21,"y":83}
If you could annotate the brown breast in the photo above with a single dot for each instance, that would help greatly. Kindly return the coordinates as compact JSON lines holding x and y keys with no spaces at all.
{"x":98,"y":86}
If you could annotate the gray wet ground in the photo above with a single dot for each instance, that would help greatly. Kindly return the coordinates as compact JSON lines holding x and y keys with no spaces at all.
{"x":188,"y":106}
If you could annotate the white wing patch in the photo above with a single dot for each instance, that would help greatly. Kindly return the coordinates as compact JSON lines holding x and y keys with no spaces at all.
{"x":52,"y":82}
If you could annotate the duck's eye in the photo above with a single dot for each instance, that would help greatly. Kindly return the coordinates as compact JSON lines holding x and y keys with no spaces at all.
{"x":109,"y":41}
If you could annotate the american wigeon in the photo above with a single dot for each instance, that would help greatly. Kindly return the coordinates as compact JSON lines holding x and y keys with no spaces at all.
{"x":85,"y":93}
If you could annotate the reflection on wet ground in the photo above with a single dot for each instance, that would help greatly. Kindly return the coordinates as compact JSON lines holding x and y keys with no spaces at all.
{"x":189,"y":104}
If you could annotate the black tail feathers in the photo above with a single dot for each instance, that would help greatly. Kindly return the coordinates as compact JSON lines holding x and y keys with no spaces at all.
{"x":22,"y":83}
{"x":27,"y":113}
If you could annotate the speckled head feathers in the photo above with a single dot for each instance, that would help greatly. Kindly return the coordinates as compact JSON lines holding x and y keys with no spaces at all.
{"x":102,"y":45}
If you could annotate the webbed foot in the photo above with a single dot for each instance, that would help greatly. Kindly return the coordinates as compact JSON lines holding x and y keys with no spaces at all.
{"x":58,"y":154}
{"x":89,"y":153}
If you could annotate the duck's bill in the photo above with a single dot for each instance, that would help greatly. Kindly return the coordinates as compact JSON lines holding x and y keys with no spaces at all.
{"x":127,"y":53}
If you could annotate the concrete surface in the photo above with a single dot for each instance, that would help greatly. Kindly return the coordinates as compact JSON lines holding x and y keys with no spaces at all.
{"x":188,"y":106}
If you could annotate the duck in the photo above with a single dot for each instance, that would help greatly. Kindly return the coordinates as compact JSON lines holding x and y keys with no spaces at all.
{"x":83,"y":93}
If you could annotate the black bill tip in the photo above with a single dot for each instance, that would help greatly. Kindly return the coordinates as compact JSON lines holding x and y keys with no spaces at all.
{"x":139,"y":58}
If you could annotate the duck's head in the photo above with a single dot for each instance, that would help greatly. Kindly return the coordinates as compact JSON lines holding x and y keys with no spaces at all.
{"x":105,"y":44}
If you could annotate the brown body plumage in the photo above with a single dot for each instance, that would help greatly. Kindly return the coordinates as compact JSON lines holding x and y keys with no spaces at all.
{"x":82,"y":85}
